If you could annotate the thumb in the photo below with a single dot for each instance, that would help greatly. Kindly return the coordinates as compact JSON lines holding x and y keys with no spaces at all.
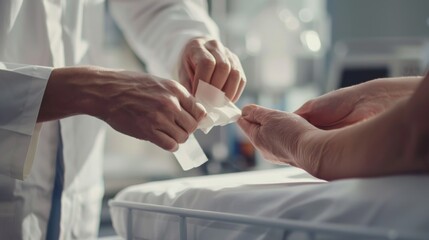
{"x":249,"y":128}
{"x":306,"y":108}
{"x":254,"y":113}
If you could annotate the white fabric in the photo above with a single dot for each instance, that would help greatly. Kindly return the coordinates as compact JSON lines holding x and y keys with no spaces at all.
{"x":58,"y":33}
{"x":25,"y":85}
{"x":396,"y":202}
{"x":164,"y":26}
{"x":190,"y":154}
{"x":220,"y":112}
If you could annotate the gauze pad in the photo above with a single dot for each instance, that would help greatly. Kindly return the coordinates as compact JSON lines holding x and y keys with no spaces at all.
{"x":190,"y":154}
{"x":220,"y":111}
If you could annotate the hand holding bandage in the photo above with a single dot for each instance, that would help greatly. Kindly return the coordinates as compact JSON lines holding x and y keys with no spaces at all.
{"x":209,"y":60}
{"x":214,"y":75}
{"x":220,"y":111}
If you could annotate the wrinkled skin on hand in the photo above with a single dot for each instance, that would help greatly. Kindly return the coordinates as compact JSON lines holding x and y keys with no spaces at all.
{"x":282,"y":137}
{"x":393,"y":141}
{"x":150,"y":108}
{"x":353,"y":104}
{"x":208,"y":60}
{"x":139,"y":105}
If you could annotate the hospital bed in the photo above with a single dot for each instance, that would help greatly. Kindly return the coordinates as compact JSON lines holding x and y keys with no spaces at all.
{"x":284,"y":203}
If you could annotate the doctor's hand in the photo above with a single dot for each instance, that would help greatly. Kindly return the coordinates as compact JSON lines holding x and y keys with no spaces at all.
{"x":353,"y":104}
{"x":139,"y":105}
{"x":210,"y":61}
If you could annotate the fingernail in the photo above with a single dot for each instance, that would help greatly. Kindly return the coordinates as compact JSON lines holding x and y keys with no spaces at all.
{"x":202,"y":108}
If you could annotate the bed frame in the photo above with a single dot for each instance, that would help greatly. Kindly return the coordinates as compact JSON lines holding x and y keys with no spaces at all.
{"x":310,"y":229}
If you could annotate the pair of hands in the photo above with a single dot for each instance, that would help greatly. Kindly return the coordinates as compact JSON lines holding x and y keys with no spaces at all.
{"x":141,"y":105}
{"x":318,"y":136}
{"x":163,"y":111}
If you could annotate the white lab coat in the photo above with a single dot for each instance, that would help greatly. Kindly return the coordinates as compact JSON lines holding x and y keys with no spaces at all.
{"x":56,"y":33}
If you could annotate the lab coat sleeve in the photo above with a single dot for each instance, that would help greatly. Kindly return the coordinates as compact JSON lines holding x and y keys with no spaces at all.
{"x":21,"y":92}
{"x":157,"y":30}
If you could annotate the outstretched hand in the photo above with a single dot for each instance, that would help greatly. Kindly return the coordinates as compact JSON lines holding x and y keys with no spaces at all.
{"x":393,"y":141}
{"x":353,"y":104}
{"x":283,"y":137}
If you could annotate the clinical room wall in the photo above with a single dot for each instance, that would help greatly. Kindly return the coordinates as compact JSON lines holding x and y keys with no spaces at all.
{"x":353,"y":19}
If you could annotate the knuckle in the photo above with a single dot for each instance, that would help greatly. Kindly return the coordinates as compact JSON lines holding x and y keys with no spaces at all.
{"x":157,"y":118}
{"x":208,"y":62}
{"x":235,"y":58}
{"x":164,"y":100}
{"x":171,"y":85}
{"x":177,"y":91}
{"x":195,"y":41}
{"x":171,"y":107}
{"x":183,"y":137}
{"x":223,"y":66}
{"x":213,"y":43}
{"x":244,"y":79}
{"x":235,"y":73}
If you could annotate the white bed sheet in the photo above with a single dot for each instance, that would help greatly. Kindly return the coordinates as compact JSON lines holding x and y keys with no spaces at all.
{"x":396,"y":202}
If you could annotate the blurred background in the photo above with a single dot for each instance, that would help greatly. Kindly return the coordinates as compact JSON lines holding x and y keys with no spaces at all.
{"x":291,"y":51}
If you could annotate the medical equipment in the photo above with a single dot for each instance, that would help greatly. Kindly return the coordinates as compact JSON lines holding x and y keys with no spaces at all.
{"x":357,"y":61}
{"x":274,"y":204}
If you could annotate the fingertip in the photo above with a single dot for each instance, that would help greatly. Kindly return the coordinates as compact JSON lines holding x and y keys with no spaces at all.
{"x":200,"y":105}
{"x":299,"y":111}
{"x":248,"y":110}
{"x":164,"y":141}
{"x":305,"y":108}
{"x":170,"y":146}
{"x":202,"y":112}
{"x":175,"y":148}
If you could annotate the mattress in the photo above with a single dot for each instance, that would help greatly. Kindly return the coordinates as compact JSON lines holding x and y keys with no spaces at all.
{"x":395,"y":202}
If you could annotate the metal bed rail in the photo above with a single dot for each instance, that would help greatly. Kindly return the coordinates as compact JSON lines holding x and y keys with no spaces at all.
{"x":287,"y":225}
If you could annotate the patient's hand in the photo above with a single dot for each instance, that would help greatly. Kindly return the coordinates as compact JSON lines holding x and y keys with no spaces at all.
{"x":393,"y":142}
{"x":282,"y":137}
{"x":349,"y":105}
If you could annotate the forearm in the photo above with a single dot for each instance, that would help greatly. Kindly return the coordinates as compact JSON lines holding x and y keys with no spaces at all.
{"x":397,"y":87}
{"x":72,"y":91}
{"x":390,"y":143}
